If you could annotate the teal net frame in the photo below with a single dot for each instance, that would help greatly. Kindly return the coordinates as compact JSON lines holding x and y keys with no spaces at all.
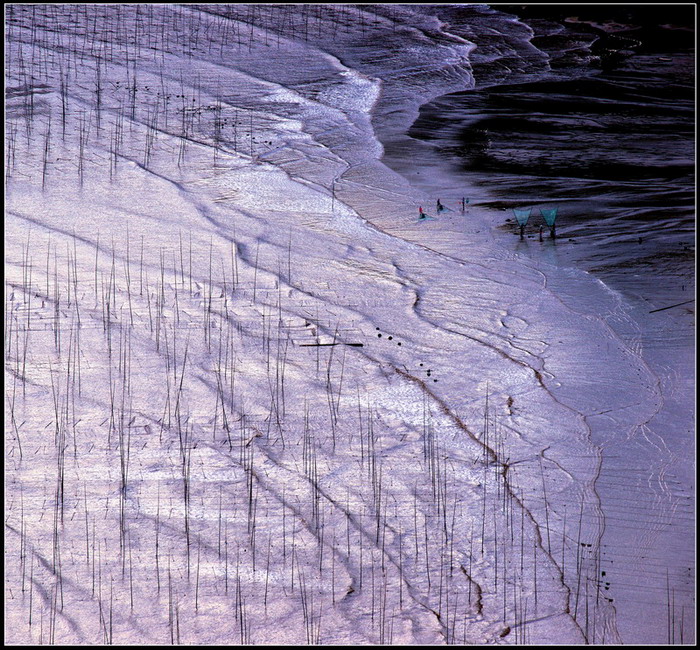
{"x":549,"y":215}
{"x":522,"y":216}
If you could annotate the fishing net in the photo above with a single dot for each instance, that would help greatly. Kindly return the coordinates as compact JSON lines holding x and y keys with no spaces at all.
{"x":522,"y":215}
{"x":549,"y":215}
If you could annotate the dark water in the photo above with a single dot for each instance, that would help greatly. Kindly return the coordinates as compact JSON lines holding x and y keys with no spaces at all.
{"x":594,"y":117}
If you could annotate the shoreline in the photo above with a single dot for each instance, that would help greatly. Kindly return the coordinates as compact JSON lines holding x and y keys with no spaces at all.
{"x":634,"y":291}
{"x":612,"y":465}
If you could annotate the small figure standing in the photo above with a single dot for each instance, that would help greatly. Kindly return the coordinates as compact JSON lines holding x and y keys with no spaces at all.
{"x":440,"y":207}
{"x":541,"y":229}
{"x":421,"y":214}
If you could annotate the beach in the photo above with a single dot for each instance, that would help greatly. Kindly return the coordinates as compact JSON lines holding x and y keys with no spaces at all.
{"x":252,"y":398}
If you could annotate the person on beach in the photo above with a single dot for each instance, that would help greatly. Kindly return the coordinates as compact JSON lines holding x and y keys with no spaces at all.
{"x":421,"y":214}
{"x":440,"y":206}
